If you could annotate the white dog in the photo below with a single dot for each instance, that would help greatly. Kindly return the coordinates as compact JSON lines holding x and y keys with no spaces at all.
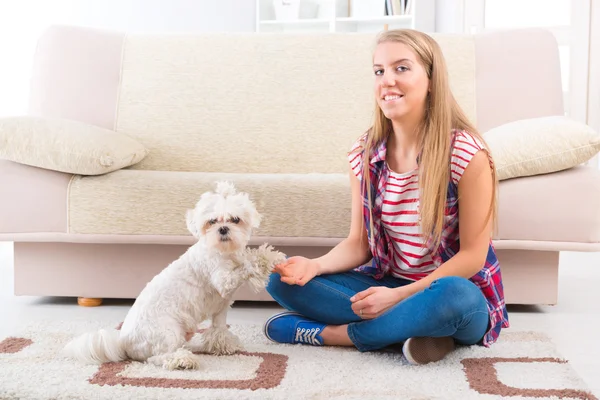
{"x":196,"y":287}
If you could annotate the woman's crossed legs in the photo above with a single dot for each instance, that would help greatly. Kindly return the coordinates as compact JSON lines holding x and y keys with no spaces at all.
{"x":451,"y":310}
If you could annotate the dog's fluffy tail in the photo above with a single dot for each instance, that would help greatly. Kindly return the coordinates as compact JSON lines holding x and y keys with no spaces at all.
{"x":96,"y":347}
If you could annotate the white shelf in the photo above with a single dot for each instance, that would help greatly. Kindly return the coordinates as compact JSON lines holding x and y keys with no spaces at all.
{"x":384,"y":19}
{"x":332,"y":16}
{"x":300,"y":21}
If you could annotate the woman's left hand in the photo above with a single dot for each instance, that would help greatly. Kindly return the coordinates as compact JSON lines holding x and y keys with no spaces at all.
{"x":376,"y":300}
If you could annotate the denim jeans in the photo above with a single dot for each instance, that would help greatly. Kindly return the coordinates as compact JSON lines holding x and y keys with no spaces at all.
{"x":450,"y":306}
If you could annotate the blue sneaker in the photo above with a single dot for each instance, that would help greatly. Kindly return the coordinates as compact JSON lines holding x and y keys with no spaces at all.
{"x":293,"y":328}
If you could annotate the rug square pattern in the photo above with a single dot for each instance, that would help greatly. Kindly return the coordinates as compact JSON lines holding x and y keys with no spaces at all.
{"x":546,"y":374}
{"x":235,"y":367}
{"x":521,"y":365}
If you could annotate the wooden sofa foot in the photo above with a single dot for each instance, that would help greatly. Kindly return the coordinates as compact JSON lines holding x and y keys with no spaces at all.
{"x":88,"y":302}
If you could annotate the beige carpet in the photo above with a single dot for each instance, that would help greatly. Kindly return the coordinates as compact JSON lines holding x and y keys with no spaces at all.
{"x":522,"y":365}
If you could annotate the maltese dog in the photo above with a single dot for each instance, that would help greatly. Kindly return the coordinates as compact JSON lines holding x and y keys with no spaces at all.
{"x":194,"y":288}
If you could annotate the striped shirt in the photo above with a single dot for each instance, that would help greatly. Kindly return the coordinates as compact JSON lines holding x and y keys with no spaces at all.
{"x":397,"y":244}
{"x":411,"y":259}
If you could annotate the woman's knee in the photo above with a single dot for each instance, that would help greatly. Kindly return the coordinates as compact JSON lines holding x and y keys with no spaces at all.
{"x":459,"y":295}
{"x":285,"y":294}
{"x":275,"y":286}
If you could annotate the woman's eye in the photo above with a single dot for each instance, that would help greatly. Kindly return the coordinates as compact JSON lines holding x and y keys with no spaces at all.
{"x":378,"y":71}
{"x":402,"y":68}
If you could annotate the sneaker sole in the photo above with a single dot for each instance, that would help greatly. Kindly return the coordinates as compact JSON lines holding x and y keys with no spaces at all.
{"x":424,"y":350}
{"x":273,"y":318}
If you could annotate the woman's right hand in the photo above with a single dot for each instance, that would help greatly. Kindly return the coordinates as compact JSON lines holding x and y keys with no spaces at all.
{"x":297,"y":270}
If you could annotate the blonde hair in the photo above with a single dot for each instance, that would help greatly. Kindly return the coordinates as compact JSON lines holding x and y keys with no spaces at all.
{"x":442,"y":115}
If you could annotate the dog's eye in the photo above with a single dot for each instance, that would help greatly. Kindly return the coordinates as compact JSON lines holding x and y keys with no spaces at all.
{"x":235,"y":220}
{"x":212,"y":221}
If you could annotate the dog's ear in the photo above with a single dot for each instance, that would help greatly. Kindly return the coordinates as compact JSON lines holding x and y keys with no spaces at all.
{"x":191,"y":224}
{"x":256,"y":219}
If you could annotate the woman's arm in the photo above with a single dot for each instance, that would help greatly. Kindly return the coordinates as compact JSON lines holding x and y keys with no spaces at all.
{"x":353,"y":251}
{"x":475,"y":190}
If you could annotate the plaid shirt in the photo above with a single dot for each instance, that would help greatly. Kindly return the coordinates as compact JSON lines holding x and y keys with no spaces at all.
{"x":488,"y":279}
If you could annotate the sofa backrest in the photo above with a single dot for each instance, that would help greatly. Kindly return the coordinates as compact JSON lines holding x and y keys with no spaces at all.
{"x":269,"y":103}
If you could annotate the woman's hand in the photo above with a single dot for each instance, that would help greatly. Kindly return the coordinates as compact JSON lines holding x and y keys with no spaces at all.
{"x":376,"y":300}
{"x":297,"y":270}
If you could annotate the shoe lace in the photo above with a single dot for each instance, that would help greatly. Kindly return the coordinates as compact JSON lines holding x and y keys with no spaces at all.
{"x":308,"y":336}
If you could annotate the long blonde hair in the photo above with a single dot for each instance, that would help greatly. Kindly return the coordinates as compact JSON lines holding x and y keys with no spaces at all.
{"x":442,"y":114}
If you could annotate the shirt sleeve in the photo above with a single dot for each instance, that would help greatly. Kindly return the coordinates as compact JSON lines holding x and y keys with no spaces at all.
{"x":465,"y":147}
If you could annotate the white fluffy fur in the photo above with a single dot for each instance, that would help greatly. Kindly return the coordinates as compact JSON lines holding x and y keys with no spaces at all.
{"x":196,"y":287}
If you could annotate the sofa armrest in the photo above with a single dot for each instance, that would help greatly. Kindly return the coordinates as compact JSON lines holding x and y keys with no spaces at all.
{"x":33,"y":199}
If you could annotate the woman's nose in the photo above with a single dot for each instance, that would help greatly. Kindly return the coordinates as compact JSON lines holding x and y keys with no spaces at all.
{"x":388,"y":79}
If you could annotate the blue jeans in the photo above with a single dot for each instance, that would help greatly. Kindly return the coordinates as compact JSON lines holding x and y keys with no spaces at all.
{"x":450,"y":306}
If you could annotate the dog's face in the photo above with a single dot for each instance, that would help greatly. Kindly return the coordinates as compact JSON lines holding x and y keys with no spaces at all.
{"x":223,"y":218}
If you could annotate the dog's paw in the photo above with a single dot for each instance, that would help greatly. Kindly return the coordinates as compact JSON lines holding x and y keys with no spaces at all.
{"x":261,"y":261}
{"x":227,"y":348}
{"x":178,"y":360}
{"x":188,"y":362}
{"x":217,"y":341}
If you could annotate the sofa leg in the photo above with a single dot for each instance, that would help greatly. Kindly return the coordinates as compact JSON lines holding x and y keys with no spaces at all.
{"x":88,"y":302}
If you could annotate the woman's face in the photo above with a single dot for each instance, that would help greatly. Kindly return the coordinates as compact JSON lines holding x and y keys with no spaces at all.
{"x":401,"y":83}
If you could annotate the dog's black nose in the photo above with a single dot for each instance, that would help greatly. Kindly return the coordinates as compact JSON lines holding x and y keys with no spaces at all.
{"x":223,"y":230}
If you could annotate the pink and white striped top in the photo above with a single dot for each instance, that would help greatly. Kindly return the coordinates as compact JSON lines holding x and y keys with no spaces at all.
{"x":400,"y":211}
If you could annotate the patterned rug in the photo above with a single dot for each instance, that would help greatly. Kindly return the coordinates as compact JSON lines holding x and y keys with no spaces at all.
{"x":522,"y":365}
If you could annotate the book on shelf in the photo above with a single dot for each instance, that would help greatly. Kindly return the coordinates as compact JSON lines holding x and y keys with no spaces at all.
{"x":398,"y":7}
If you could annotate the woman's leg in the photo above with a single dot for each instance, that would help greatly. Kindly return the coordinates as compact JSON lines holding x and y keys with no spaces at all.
{"x":326,"y":298}
{"x":319,"y":308}
{"x":451,"y":307}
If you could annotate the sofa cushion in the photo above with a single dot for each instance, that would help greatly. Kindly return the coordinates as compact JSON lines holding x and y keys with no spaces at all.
{"x":541,"y":145}
{"x":66,"y":145}
{"x":278,"y":111}
{"x":559,"y":207}
{"x":134,"y":202}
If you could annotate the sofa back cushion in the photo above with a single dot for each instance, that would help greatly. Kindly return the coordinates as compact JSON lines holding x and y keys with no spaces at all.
{"x":256,"y":103}
{"x":268,"y":103}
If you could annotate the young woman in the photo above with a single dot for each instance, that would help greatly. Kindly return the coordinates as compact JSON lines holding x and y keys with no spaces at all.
{"x":423,"y":208}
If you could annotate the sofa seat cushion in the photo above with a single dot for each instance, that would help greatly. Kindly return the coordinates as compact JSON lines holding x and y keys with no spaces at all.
{"x":558,"y":207}
{"x":137,"y":202}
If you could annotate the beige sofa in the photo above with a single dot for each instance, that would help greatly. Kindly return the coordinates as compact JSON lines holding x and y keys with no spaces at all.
{"x":276,"y":115}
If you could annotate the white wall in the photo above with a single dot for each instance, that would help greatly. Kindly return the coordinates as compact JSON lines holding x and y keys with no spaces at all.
{"x":593,"y":111}
{"x":22,"y":21}
{"x":448,"y":16}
